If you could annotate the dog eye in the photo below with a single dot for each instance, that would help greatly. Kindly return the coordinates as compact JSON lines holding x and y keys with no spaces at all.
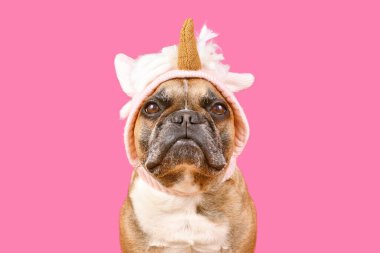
{"x":152,"y":108}
{"x":218,"y":109}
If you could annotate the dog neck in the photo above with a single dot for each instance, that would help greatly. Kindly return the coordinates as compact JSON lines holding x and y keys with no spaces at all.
{"x":152,"y":182}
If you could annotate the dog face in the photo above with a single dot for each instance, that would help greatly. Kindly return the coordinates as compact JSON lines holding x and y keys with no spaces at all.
{"x":184,"y":134}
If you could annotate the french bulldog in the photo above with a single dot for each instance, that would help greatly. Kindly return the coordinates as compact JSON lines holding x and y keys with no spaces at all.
{"x":184,"y":136}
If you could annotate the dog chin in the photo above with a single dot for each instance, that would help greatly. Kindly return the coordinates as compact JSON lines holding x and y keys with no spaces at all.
{"x":187,"y":183}
{"x":182,"y":152}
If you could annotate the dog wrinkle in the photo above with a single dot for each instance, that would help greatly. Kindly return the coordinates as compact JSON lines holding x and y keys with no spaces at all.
{"x":186,"y":90}
{"x":163,"y":97}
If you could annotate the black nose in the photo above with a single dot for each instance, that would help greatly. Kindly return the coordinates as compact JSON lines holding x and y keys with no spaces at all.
{"x":187,"y":117}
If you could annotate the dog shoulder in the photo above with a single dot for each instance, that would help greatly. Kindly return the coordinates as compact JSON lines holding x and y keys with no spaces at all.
{"x":132,"y":238}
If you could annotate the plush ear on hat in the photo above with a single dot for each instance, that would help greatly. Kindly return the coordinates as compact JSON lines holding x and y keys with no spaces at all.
{"x":123,"y":66}
{"x":239,"y":81}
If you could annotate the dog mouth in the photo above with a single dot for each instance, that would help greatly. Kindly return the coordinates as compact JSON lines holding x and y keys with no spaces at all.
{"x":185,"y":141}
{"x":185,"y":149}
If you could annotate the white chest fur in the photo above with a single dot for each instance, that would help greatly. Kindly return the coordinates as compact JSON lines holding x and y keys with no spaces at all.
{"x":171,"y":222}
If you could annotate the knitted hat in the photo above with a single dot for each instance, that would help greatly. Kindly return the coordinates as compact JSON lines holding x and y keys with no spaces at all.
{"x":190,"y":58}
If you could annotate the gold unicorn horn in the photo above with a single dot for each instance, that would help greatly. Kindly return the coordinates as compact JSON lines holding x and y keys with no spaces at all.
{"x":188,"y":58}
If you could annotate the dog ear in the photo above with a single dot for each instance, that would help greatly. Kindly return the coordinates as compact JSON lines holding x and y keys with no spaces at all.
{"x":238,"y":81}
{"x":123,"y":67}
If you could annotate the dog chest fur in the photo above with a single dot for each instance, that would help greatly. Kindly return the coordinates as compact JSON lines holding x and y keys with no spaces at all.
{"x":172,"y":223}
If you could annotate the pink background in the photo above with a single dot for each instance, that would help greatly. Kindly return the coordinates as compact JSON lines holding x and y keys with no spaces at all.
{"x":312,"y":162}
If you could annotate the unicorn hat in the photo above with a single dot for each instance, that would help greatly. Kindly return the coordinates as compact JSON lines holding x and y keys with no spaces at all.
{"x":191,"y":58}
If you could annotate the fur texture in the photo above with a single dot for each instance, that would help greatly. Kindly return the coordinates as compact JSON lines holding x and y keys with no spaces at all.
{"x":222,"y":220}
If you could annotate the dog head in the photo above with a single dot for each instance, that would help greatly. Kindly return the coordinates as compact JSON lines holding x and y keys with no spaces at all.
{"x":184,"y":125}
{"x":184,"y":134}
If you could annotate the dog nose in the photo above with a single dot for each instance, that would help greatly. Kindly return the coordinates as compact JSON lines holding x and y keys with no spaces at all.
{"x":187,"y":117}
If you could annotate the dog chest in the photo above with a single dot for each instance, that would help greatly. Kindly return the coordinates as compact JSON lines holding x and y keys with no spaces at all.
{"x":171,"y":222}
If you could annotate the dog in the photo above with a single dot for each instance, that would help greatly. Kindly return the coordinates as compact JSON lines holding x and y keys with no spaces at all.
{"x":186,"y":193}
